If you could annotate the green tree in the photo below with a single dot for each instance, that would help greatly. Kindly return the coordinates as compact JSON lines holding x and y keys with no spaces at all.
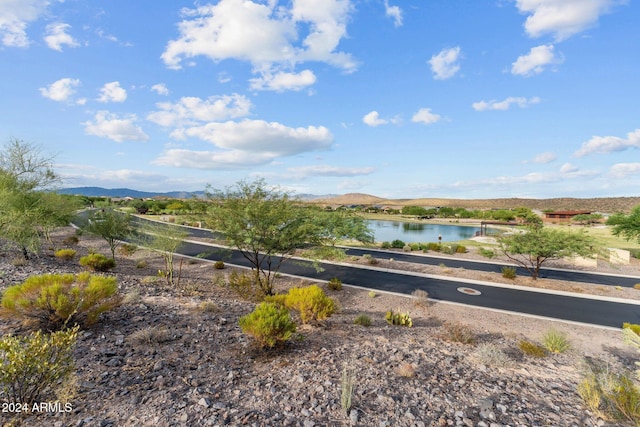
{"x":28,"y":211}
{"x":537,"y":245}
{"x":587,"y":219}
{"x":112,"y":226}
{"x":341,"y":225}
{"x":414,"y":210}
{"x":627,"y":226}
{"x":165,"y":239}
{"x":265,"y":225}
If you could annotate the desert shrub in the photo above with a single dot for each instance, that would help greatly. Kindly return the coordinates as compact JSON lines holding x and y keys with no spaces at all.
{"x":509,"y":272}
{"x":406,"y":370}
{"x":127,"y":249}
{"x":492,"y":355}
{"x":362,"y":320}
{"x":414,"y":246}
{"x":244,"y":285}
{"x":310,"y":302}
{"x":142,"y":264}
{"x":532,"y":349}
{"x":487,"y":253}
{"x":385,"y":245}
{"x":447,"y":249}
{"x":19,"y":261}
{"x":65,"y":254}
{"x":71,"y":240}
{"x":421,"y":297}
{"x":369,"y":259}
{"x":335,"y":284}
{"x":372,"y":294}
{"x":328,"y":252}
{"x":401,"y":319}
{"x":218,"y":265}
{"x":269,"y":324}
{"x":56,"y":300}
{"x":208,"y":307}
{"x":435,"y":247}
{"x":634,"y":327}
{"x":461,"y":249}
{"x":97,"y":262}
{"x":457,"y":332}
{"x":556,"y":341}
{"x":150,"y":335}
{"x":35,"y":366}
{"x":397,"y":244}
{"x":636,"y":286}
{"x":611,"y":395}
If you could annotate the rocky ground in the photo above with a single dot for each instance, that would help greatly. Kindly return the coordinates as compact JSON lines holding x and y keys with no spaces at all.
{"x":175,"y":356}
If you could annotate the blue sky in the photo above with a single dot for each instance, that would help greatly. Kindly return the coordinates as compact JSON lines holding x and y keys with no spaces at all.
{"x":395,"y":98}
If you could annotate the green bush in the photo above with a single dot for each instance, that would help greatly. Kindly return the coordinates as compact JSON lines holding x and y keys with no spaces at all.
{"x":34,"y":367}
{"x":532,"y":349}
{"x":447,"y":249}
{"x":310,"y":302}
{"x":401,"y":319}
{"x":335,"y":284}
{"x":97,"y":262}
{"x":218,"y":265}
{"x":611,"y":395}
{"x":461,"y":249}
{"x":397,"y":244}
{"x":65,"y":254}
{"x":370,"y":259}
{"x":556,"y":341}
{"x":414,"y":246}
{"x":634,"y":327}
{"x":509,"y":272}
{"x":385,"y":245}
{"x":127,"y":249}
{"x":487,"y":253}
{"x":269,"y":324}
{"x":244,"y":285}
{"x":435,"y":247}
{"x":362,"y":320}
{"x":59,"y":300}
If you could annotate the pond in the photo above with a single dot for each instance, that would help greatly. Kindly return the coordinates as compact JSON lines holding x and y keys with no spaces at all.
{"x":412,"y":232}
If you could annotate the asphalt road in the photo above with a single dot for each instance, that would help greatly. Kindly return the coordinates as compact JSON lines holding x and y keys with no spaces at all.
{"x":569,"y":308}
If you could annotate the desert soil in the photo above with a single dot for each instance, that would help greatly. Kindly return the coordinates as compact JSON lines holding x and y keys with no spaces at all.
{"x":175,"y":356}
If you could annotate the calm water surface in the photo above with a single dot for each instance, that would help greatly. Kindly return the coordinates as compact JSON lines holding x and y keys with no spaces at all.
{"x":409,"y":232}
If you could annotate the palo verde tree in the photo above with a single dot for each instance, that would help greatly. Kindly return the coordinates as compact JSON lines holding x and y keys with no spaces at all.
{"x":627,"y":226}
{"x":29,"y":210}
{"x":340,"y":225}
{"x":535,"y":246}
{"x":165,"y":239}
{"x":264,"y":224}
{"x":112,"y":226}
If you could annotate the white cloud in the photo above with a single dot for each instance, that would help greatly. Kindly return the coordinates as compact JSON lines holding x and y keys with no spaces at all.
{"x":193,"y":110}
{"x":563,"y":18}
{"x":609,"y":144}
{"x":160,"y":89}
{"x":424,"y":115}
{"x":111,"y":126}
{"x":57,"y":36}
{"x":624,"y":170}
{"x":393,"y":12}
{"x":264,"y":34}
{"x":535,"y":61}
{"x":245,"y":143}
{"x":326,"y":170}
{"x":505,"y":104}
{"x":445,"y":65}
{"x":546,"y":157}
{"x":112,"y":92}
{"x":282,"y":81}
{"x":61,"y":90}
{"x":568,"y":168}
{"x":15,"y":16}
{"x":372,"y":119}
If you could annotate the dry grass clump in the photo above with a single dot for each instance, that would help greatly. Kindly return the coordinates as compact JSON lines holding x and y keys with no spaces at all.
{"x":150,"y":335}
{"x":421,"y":297}
{"x":406,"y":370}
{"x":532,"y":349}
{"x":492,"y":355}
{"x":457,"y":332}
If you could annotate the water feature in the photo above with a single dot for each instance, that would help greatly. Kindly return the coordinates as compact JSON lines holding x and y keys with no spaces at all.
{"x":410,"y":232}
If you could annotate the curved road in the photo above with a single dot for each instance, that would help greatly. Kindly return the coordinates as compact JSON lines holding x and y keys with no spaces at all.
{"x":576,"y":308}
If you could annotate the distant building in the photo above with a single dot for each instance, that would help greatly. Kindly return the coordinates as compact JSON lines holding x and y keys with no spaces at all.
{"x":563,"y":216}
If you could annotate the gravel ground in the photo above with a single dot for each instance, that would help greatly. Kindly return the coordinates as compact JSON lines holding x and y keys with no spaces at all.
{"x":175,"y":356}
